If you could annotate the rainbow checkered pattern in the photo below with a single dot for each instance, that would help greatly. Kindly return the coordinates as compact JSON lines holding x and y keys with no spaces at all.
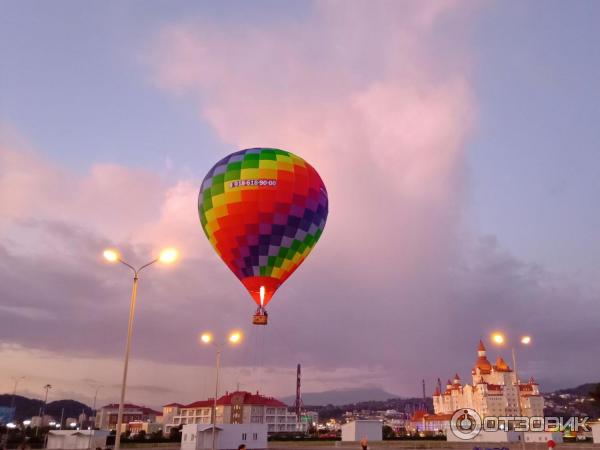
{"x":263,"y":210}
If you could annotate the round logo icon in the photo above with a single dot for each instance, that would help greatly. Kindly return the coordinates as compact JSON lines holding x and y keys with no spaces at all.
{"x":465,"y":423}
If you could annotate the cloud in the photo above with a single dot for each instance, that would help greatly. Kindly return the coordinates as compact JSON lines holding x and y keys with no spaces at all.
{"x":376,"y":97}
{"x":396,"y":290}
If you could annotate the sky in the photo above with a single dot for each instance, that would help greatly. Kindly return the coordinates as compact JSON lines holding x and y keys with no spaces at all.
{"x":457,"y":140}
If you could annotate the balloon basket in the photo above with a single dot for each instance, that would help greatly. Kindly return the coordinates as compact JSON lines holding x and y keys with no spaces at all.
{"x":260,"y":319}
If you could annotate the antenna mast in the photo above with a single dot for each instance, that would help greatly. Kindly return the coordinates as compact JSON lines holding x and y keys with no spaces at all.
{"x":298,"y":403}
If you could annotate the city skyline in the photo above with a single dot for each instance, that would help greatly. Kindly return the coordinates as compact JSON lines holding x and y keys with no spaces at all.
{"x":456,"y":141}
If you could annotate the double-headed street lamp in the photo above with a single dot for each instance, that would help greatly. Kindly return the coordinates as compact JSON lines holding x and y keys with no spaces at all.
{"x":167,"y":256}
{"x":500,"y":339}
{"x":234,"y":338}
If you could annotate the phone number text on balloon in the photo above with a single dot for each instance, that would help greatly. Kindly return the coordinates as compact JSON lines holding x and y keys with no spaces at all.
{"x":256,"y":182}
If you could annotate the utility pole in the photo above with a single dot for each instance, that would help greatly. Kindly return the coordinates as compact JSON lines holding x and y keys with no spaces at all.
{"x":42,"y":412}
{"x":298,"y":403}
{"x":46,"y":388}
{"x":14,"y":394}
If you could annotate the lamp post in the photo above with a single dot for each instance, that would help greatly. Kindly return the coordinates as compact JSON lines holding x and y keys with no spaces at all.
{"x":166,"y":256}
{"x":14,"y":393}
{"x":234,"y":338}
{"x":46,"y":388}
{"x":91,"y":429}
{"x":500,"y":339}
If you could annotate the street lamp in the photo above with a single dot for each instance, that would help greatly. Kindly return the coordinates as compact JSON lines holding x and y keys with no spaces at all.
{"x":46,"y":388}
{"x":499,"y":339}
{"x":14,"y":393}
{"x":94,"y":414}
{"x":166,"y":256}
{"x":234,"y":338}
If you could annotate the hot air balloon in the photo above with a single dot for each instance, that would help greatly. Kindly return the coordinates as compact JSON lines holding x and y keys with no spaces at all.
{"x":263,"y":210}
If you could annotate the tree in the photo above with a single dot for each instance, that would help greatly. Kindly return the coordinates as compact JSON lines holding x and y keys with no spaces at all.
{"x":156,"y":435}
{"x":175,"y":433}
{"x":596,"y":395}
{"x":388,"y":432}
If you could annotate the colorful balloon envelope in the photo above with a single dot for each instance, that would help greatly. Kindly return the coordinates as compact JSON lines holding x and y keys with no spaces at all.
{"x":263,"y":210}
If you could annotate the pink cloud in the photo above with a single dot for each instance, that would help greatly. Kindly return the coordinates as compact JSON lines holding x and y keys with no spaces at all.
{"x":379,"y":101}
{"x":118,"y":203}
{"x":356,"y":91}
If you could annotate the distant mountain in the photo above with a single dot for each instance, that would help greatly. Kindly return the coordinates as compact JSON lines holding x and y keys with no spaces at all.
{"x":28,"y":407}
{"x":341,"y":396}
{"x":577,"y":401}
{"x":581,"y":390}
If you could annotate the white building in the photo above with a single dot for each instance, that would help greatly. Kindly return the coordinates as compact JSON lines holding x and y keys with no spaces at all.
{"x":596,"y":432}
{"x":489,"y":436}
{"x":372,"y":430}
{"x":238,"y":407}
{"x":494,"y":391}
{"x":227,"y":436}
{"x":41,"y":421}
{"x":543,"y":436}
{"x":106,"y":417}
{"x":71,"y":439}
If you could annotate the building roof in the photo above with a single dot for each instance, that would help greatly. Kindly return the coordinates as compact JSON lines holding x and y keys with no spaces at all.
{"x":419,"y":414}
{"x":501,"y":365}
{"x":179,"y":405}
{"x":483,"y":365}
{"x":208,"y":427}
{"x":438,"y":417}
{"x":247,"y":398}
{"x":200,"y":404}
{"x":241,"y":397}
{"x":143,"y":409}
{"x":481,"y":347}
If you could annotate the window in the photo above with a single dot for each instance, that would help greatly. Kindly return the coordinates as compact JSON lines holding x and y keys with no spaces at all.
{"x":191,"y":437}
{"x":255,"y":436}
{"x":244,"y":436}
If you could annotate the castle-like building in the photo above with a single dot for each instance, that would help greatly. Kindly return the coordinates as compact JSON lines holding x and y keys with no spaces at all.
{"x":494,"y":391}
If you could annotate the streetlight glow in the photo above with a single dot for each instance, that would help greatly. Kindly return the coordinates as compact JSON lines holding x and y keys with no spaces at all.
{"x":206,"y":338}
{"x":168,"y":255}
{"x":27,"y":422}
{"x":526,"y":340}
{"x":498,"y":338}
{"x":111,"y":255}
{"x":235,"y":337}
